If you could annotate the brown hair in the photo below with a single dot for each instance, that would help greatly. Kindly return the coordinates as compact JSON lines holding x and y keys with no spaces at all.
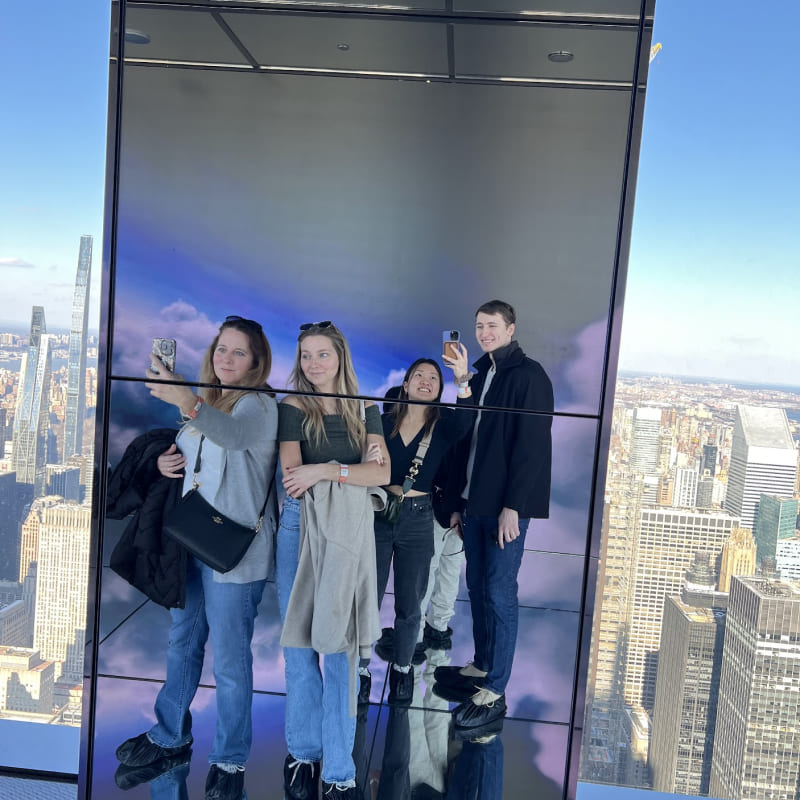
{"x":506,"y":310}
{"x":257,"y":375}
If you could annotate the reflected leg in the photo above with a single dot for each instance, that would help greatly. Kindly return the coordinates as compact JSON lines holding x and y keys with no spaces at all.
{"x":185,"y":651}
{"x":231,"y":611}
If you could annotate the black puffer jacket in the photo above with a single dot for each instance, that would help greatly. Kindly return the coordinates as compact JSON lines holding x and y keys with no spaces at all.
{"x":153,"y":563}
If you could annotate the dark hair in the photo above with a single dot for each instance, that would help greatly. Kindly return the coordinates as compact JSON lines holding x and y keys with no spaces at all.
{"x":257,"y":375}
{"x":499,"y":307}
{"x":400,"y":409}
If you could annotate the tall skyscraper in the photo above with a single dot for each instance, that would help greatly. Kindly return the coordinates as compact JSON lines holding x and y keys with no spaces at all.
{"x":685,"y":493}
{"x":76,"y":375}
{"x":645,"y":440}
{"x":62,"y":578}
{"x":763,"y":460}
{"x":9,"y":528}
{"x":757,"y":737}
{"x":776,"y":520}
{"x":31,"y":420}
{"x":738,"y":557}
{"x":709,"y":461}
{"x":667,"y":542}
{"x":689,"y":663}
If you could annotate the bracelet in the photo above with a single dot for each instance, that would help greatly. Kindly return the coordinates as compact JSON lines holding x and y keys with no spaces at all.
{"x":344,"y":470}
{"x":193,"y":413}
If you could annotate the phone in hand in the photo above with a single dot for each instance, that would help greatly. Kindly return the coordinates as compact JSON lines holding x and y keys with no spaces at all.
{"x":164,"y":351}
{"x":450,"y":340}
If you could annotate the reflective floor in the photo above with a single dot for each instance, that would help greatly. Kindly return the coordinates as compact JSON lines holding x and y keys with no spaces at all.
{"x":399,"y":753}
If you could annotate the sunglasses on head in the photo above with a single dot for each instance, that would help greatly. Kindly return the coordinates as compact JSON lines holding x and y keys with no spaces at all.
{"x":251,"y":323}
{"x":307,"y":326}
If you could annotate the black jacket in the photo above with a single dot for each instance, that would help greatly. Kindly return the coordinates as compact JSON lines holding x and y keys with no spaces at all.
{"x":514,"y":450}
{"x":154,"y":564}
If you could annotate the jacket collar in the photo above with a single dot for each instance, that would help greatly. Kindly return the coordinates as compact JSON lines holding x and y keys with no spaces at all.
{"x":504,"y":357}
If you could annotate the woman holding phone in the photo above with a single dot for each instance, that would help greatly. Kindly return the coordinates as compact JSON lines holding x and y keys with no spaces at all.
{"x":236,"y":421}
{"x":408,"y":540}
{"x":326,"y":440}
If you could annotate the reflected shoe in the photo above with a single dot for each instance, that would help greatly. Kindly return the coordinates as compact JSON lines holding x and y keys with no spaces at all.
{"x":437,"y":640}
{"x":481,"y":734}
{"x":364,"y":688}
{"x":401,"y":687}
{"x":224,"y":785}
{"x":384,"y":647}
{"x":140,"y":751}
{"x":457,"y":693}
{"x":454,"y":676}
{"x":300,"y":779}
{"x":480,"y":710}
{"x":128,"y":777}
{"x":419,"y":654}
{"x":338,"y":791}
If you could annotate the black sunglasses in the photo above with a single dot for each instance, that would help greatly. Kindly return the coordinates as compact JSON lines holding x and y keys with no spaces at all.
{"x":244,"y":321}
{"x":307,"y":326}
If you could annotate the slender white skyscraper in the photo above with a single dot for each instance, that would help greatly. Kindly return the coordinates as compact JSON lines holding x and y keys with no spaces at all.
{"x":644,"y":442}
{"x":76,"y":375}
{"x":31,"y":421}
{"x":763,"y":460}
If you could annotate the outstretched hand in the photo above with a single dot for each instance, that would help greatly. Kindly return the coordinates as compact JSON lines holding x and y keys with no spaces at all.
{"x":458,"y":363}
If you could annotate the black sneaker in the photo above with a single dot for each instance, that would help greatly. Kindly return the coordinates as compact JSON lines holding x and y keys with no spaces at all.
{"x":129,"y":777}
{"x":224,"y":785}
{"x":401,"y":687}
{"x":437,"y":640}
{"x":384,"y":647}
{"x":335,"y":791}
{"x":419,"y":654}
{"x":300,"y":779}
{"x":140,"y":751}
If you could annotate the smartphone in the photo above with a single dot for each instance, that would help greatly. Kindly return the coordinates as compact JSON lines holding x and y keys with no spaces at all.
{"x":164,"y":351}
{"x":450,"y":340}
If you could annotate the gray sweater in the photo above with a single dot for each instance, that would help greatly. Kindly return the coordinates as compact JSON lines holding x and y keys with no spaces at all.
{"x":239,"y":457}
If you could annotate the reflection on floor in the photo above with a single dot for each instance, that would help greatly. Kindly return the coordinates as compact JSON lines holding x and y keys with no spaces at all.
{"x":396,"y":750}
{"x":27,"y":789}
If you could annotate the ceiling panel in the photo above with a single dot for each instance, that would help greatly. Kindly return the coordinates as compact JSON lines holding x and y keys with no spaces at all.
{"x":179,"y":35}
{"x":342,"y":43}
{"x":521,"y":51}
{"x":588,"y":8}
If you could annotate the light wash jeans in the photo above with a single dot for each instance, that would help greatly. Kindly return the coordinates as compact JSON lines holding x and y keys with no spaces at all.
{"x":227,"y":611}
{"x":445,"y":573}
{"x":318,"y":722}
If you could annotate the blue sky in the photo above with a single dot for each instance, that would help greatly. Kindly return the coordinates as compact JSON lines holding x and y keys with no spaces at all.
{"x":711,"y":285}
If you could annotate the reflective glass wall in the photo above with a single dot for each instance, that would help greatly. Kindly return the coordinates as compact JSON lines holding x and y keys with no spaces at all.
{"x":389,"y":171}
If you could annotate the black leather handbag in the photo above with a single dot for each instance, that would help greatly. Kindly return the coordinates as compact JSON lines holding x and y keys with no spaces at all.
{"x":207,"y":534}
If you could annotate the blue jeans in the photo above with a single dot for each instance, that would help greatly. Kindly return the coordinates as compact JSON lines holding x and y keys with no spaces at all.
{"x":492,"y":586}
{"x":410,"y":542}
{"x":227,"y":611}
{"x":318,"y":722}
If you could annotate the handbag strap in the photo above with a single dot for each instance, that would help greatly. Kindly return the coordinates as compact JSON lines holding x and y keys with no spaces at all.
{"x":416,"y":462}
{"x":195,"y":484}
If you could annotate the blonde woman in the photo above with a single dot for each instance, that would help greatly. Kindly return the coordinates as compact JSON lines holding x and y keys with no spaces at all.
{"x":324,"y":436}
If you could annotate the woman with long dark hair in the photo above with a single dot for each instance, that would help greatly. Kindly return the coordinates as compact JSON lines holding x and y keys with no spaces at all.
{"x":236,"y":420}
{"x":408,"y":540}
{"x":331,"y":450}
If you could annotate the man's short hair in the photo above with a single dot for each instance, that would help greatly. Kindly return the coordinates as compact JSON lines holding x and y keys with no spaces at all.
{"x":499,"y":307}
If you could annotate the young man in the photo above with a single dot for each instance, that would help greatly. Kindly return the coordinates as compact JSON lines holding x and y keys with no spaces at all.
{"x":506,"y":478}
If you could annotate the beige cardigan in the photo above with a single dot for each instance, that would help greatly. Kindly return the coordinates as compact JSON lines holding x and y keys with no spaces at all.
{"x":333,"y":607}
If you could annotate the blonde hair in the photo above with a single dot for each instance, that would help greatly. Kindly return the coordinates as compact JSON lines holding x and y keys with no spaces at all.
{"x":257,"y":375}
{"x":346,"y":384}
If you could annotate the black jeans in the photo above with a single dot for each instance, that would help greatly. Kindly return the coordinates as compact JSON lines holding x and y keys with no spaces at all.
{"x":410,"y":542}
